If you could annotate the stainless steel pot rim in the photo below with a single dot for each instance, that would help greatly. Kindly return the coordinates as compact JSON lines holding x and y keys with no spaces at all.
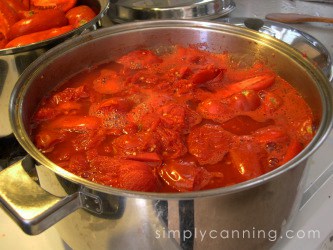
{"x":134,"y":10}
{"x":22,"y":85}
{"x":54,"y":40}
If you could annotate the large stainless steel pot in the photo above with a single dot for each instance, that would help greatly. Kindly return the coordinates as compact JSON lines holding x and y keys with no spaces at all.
{"x":249,"y":215}
{"x":13,"y":61}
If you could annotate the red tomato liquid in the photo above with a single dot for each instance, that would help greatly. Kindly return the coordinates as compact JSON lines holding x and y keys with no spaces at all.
{"x":177,"y":122}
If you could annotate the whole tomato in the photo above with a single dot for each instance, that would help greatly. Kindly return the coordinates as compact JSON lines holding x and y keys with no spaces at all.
{"x":80,"y":15}
{"x":40,"y":21}
{"x":38,"y":36}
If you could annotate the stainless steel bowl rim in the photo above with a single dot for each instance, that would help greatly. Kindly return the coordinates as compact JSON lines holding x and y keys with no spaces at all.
{"x":23,"y":83}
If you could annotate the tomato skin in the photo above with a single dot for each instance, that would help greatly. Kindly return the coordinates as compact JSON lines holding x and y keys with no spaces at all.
{"x":108,"y":82}
{"x":221,"y":110}
{"x":38,"y":36}
{"x":80,"y":15}
{"x":247,"y":100}
{"x":138,"y":176}
{"x":293,"y":149}
{"x":26,"y":3}
{"x":245,"y":157}
{"x":28,"y":13}
{"x":139,"y":59}
{"x":43,"y":20}
{"x":244,"y":125}
{"x":209,"y":143}
{"x":184,"y":175}
{"x":205,"y":75}
{"x":16,"y":5}
{"x":258,"y":82}
{"x":63,"y":5}
{"x":8,"y":17}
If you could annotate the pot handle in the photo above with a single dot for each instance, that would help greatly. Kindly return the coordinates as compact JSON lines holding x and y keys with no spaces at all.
{"x":31,"y":207}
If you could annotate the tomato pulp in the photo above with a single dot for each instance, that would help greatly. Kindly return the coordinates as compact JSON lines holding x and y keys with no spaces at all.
{"x":175,"y":122}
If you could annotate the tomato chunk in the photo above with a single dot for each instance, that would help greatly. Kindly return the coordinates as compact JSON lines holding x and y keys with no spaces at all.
{"x":185,"y":176}
{"x":242,"y":125}
{"x":209,"y":143}
{"x":293,"y":149}
{"x":259,"y":82}
{"x":108,"y":82}
{"x":138,"y":176}
{"x":178,"y":117}
{"x":245,"y":157}
{"x":207,"y":74}
{"x":139,"y":59}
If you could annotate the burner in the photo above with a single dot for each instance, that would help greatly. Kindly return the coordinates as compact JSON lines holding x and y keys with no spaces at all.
{"x":10,"y":152}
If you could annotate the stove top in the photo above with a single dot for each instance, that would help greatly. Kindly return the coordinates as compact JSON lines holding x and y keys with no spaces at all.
{"x":10,"y":152}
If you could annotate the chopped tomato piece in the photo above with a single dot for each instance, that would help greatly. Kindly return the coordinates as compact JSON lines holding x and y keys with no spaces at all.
{"x":78,"y":165}
{"x":271,"y":134}
{"x":138,"y":176}
{"x":293,"y":149}
{"x":69,"y":94}
{"x":139,"y":59}
{"x":271,"y":101}
{"x":185,"y":176}
{"x":245,"y":157}
{"x":178,"y":117}
{"x":132,"y":145}
{"x":145,"y":157}
{"x":306,"y":131}
{"x":221,"y":110}
{"x":45,"y":139}
{"x":244,"y":125}
{"x":88,"y":139}
{"x":171,"y":142}
{"x":246,"y":100}
{"x":209,"y":143}
{"x":17,"y":5}
{"x":75,"y":123}
{"x":255,"y":83}
{"x":207,"y":74}
{"x":108,"y":82}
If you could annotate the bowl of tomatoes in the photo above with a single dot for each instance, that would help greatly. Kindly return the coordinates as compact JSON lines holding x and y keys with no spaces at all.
{"x":28,"y":28}
{"x":29,"y":22}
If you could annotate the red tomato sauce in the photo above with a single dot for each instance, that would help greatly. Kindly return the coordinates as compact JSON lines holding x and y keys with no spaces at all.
{"x":176,"y":122}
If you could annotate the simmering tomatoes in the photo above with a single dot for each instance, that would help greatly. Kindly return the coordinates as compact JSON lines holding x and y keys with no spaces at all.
{"x":180,"y":121}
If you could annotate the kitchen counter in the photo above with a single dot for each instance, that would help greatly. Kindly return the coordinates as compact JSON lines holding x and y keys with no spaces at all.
{"x":317,"y":208}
